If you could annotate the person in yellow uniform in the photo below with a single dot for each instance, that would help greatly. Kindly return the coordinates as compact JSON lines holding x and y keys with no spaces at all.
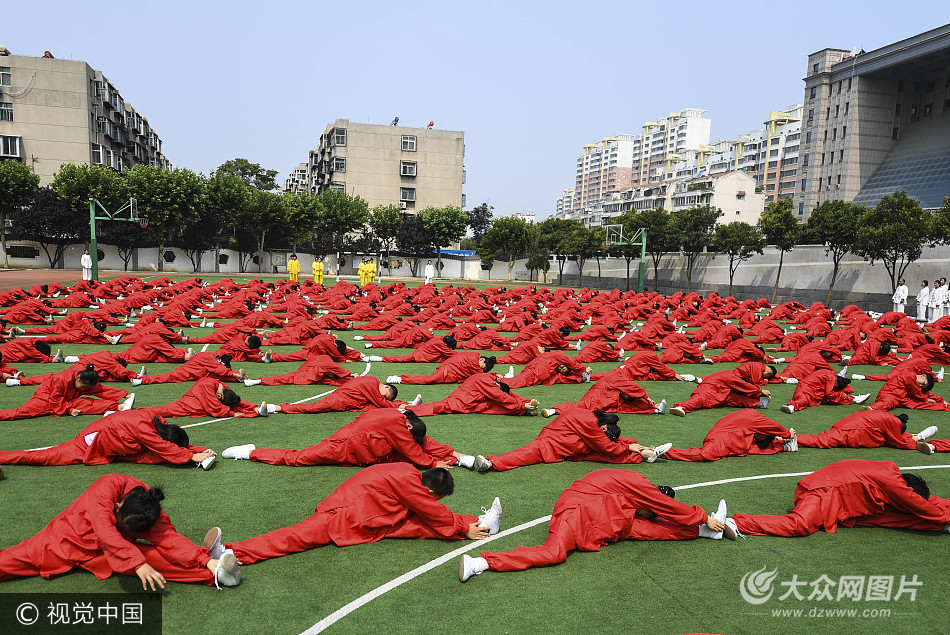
{"x":361,"y":270}
{"x":293,"y":268}
{"x":372,"y":270}
{"x":318,"y":270}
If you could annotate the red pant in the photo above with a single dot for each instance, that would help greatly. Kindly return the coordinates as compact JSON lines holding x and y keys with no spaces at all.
{"x":39,"y":408}
{"x":835,"y":438}
{"x":70,"y":453}
{"x":700,"y":400}
{"x":804,"y":520}
{"x":322,"y":454}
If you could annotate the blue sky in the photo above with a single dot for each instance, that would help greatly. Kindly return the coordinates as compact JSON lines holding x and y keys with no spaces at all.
{"x":529,"y":82}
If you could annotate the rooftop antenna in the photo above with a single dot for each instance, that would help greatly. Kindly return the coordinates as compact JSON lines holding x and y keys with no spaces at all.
{"x":395,"y":121}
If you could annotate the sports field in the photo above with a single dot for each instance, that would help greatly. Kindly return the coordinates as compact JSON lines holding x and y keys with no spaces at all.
{"x":412,"y":585}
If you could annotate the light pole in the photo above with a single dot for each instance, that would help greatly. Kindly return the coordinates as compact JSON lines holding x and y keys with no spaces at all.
{"x":131,"y":206}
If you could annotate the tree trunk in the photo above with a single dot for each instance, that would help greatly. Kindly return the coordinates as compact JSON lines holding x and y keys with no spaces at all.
{"x":438,"y":265}
{"x":689,"y":274}
{"x":600,"y":282}
{"x":511,"y":265}
{"x":628,"y":273}
{"x":217,"y":258}
{"x":3,"y":238}
{"x":778,"y":275}
{"x":161,"y":255}
{"x":260,"y":254}
{"x":389,"y":260}
{"x":831,"y":287}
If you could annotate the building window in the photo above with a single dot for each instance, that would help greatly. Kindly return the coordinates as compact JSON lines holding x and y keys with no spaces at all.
{"x":808,"y":137}
{"x":803,"y":184}
{"x":10,"y":147}
{"x":407,"y":168}
{"x":409,"y":143}
{"x":847,"y":107}
{"x":839,"y":87}
{"x":813,"y":93}
{"x":834,"y":133}
{"x":844,"y":131}
{"x":811,"y":114}
{"x":6,"y":112}
{"x":338,"y":164}
{"x":850,"y":79}
{"x":801,"y":208}
{"x":840,"y":156}
{"x":897,"y":110}
{"x":839,"y":179}
{"x":900,"y":85}
{"x":5,"y":76}
{"x":894,"y":132}
{"x":831,"y":158}
{"x":97,"y":155}
{"x":805,"y":159}
{"x":931,"y":86}
{"x":814,"y":68}
{"x":928,"y":110}
{"x":407,"y":194}
{"x":773,"y":164}
{"x":770,"y":187}
{"x":837,"y":109}
{"x":339,"y":136}
{"x":822,"y":158}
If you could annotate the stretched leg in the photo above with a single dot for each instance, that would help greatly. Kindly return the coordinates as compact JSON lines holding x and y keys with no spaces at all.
{"x":804,"y":520}
{"x":414,"y":527}
{"x":68,"y":453}
{"x":171,"y":571}
{"x":307,"y":534}
{"x":528,"y":455}
{"x":23,"y":559}
{"x":560,"y":541}
{"x":661,"y":529}
{"x":90,"y":406}
{"x":320,"y":454}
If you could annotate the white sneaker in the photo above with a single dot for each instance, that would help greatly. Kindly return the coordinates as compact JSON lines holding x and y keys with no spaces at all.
{"x":939,"y":375}
{"x":679,"y":412}
{"x":706,"y":532}
{"x":721,"y":514}
{"x":862,"y":398}
{"x":271,"y":408}
{"x":926,"y":448}
{"x":204,"y":322}
{"x":688,"y":377}
{"x":228,"y":571}
{"x":791,"y":380}
{"x":491,"y":517}
{"x":251,"y":382}
{"x":357,"y":338}
{"x":586,"y":378}
{"x":267,"y":358}
{"x":548,"y":412}
{"x":13,"y":382}
{"x":128,"y":402}
{"x":764,"y":403}
{"x":778,"y":360}
{"x":659,"y":451}
{"x":239,"y":452}
{"x":262,"y":410}
{"x":374,"y":358}
{"x":470,"y":566}
{"x":58,"y":357}
{"x":732,"y":530}
{"x":136,"y":381}
{"x":661,"y":409}
{"x":702,"y":346}
{"x":510,"y":373}
{"x":466,"y":461}
{"x":482,"y":464}
{"x":843,"y":372}
{"x":577,"y":346}
{"x":787,"y":409}
{"x":71,"y":359}
{"x":394,"y":379}
{"x":208,"y":462}
{"x":927,"y":433}
{"x":792,"y":444}
{"x":858,"y":377}
{"x":417,"y":400}
{"x":143,"y":372}
{"x":368,"y":345}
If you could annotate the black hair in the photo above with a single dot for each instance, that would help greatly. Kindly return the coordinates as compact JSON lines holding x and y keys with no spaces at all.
{"x":930,"y":382}
{"x":764,"y":441}
{"x":612,"y":430}
{"x":930,"y":340}
{"x":564,"y":331}
{"x":140,"y":508}
{"x":605,"y":418}
{"x":489,"y":363}
{"x":45,"y":289}
{"x":926,"y":283}
{"x":42,"y":347}
{"x":47,"y":303}
{"x":89,"y":376}
{"x":121,"y":361}
{"x":439,"y":481}
{"x":99,"y":326}
{"x":666,"y":490}
{"x":774,"y":371}
{"x":884,"y":349}
{"x":505,"y":388}
{"x":450,"y":341}
{"x":841,"y":382}
{"x":225,"y":359}
{"x":253,"y":342}
{"x":395,"y":392}
{"x":903,"y":418}
{"x":418,"y":430}
{"x":230,"y":398}
{"x":340,"y":346}
{"x":170,"y":432}
{"x":917,"y":484}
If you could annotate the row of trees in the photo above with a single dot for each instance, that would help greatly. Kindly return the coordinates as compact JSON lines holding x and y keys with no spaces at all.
{"x":234,"y":208}
{"x":893,"y":232}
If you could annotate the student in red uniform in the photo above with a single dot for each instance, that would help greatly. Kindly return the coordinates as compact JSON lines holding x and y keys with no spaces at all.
{"x":599,"y":509}
{"x":392,"y":500}
{"x":100,"y":532}
{"x":908,"y":389}
{"x":483,"y":394}
{"x":69,"y":393}
{"x":132,"y":436}
{"x":843,"y":492}
{"x":109,"y":367}
{"x":155,"y":348}
{"x":613,"y":393}
{"x":867,"y":429}
{"x":201,"y":365}
{"x":740,"y":433}
{"x":209,"y":397}
{"x":576,"y":435}
{"x":357,"y":394}
{"x":383,"y":435}
{"x":644,"y":366}
{"x":319,"y":369}
{"x":739,"y":387}
{"x":452,"y":371}
{"x":822,"y":387}
{"x":547,"y":369}
{"x":436,"y":350}
{"x":29,"y":349}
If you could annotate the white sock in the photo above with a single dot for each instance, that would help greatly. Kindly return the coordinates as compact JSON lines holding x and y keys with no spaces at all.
{"x":466,"y":460}
{"x":71,"y":359}
{"x":479,"y":565}
{"x":271,"y":408}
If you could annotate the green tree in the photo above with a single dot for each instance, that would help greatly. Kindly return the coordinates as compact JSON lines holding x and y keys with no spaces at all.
{"x":386,"y":221}
{"x":227,"y":200}
{"x":739,"y":241}
{"x":76,"y":183}
{"x":835,"y":224}
{"x":582,"y":243}
{"x":445,"y":225}
{"x":264,"y":214}
{"x":781,"y":229}
{"x":601,"y":251}
{"x":479,"y":220}
{"x":507,"y":236}
{"x":662,"y":237}
{"x":553,"y":234}
{"x":894,"y":232}
{"x":170,"y":199}
{"x":18,"y":186}
{"x":253,"y":175}
{"x":49,"y":221}
{"x":339,"y":215}
{"x":413,"y":241}
{"x":694,"y":231}
{"x":540,"y":263}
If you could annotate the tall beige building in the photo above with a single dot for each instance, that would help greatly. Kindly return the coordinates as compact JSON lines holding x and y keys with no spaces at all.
{"x":63,"y":111}
{"x":412,"y":167}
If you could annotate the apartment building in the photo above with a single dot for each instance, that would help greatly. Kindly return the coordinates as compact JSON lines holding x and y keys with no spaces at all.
{"x":56,"y":111}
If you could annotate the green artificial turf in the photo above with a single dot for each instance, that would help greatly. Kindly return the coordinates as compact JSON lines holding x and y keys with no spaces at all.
{"x":661,"y":587}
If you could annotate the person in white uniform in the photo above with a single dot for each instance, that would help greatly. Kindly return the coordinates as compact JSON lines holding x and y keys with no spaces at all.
{"x":900,"y":296}
{"x":429,"y":272}
{"x":86,"y":261}
{"x":923,"y":299}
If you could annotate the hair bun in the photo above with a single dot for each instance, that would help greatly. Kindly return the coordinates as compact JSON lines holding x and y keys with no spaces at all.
{"x":90,"y":367}
{"x":156,"y":493}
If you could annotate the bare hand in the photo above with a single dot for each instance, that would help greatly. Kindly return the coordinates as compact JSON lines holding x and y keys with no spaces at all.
{"x":714,"y":524}
{"x":201,"y":456}
{"x":443,"y":464}
{"x":75,"y":412}
{"x":476,"y":533}
{"x":766,"y":393}
{"x":150,"y":577}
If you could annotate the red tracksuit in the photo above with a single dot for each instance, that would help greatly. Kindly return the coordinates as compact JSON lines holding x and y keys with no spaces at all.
{"x":902,"y":390}
{"x":477,"y":394}
{"x":600,"y":509}
{"x":574,"y":435}
{"x":542,"y":371}
{"x":614,"y":393}
{"x":127,"y":436}
{"x":316,"y":370}
{"x":741,"y":350}
{"x":681,"y":353}
{"x":597,"y":352}
{"x":862,"y":429}
{"x":839,"y":493}
{"x":359,"y":393}
{"x":57,"y":395}
{"x":644,"y":366}
{"x":153,"y":348}
{"x":733,"y":435}
{"x":201,"y":401}
{"x":377,"y":436}
{"x":320,"y":345}
{"x":200,"y":365}
{"x":455,"y":370}
{"x":723,"y":388}
{"x":380,"y":501}
{"x":85,"y":535}
{"x":22,"y":350}
{"x":819,"y":388}
{"x":105,"y":364}
{"x":433,"y":351}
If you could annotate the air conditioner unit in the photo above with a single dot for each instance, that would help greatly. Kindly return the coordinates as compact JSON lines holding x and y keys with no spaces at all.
{"x":403,"y":204}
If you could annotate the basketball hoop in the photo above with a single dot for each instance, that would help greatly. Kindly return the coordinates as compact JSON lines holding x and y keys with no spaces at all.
{"x":143,"y":222}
